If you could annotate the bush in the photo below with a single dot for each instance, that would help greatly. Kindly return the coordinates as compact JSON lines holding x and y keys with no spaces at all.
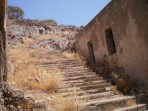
{"x":52,"y":21}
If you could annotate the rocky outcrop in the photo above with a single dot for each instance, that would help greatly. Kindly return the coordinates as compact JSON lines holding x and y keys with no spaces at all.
{"x":15,"y":100}
{"x":29,"y":22}
{"x":53,"y":43}
{"x":21,"y":29}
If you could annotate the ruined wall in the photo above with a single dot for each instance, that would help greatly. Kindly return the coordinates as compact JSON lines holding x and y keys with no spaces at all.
{"x":3,"y":19}
{"x":128,"y":20}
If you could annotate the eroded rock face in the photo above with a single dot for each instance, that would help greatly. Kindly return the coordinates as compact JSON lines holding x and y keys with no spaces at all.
{"x":34,"y":31}
{"x":53,"y":44}
{"x":15,"y":31}
{"x":20,"y":30}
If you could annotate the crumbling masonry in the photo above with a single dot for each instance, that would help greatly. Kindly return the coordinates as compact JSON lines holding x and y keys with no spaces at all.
{"x":3,"y":17}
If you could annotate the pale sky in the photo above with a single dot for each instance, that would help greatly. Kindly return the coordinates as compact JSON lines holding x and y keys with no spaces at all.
{"x":67,"y":12}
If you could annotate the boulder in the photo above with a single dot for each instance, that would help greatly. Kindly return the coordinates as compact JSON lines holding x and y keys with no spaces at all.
{"x":34,"y":31}
{"x":40,"y":104}
{"x":26,"y":31}
{"x":15,"y":31}
{"x":27,"y":103}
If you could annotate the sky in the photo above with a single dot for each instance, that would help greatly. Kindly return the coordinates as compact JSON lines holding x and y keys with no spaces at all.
{"x":67,"y":12}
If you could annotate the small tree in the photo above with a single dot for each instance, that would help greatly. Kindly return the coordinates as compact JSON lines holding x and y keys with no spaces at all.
{"x":52,"y":21}
{"x":15,"y":12}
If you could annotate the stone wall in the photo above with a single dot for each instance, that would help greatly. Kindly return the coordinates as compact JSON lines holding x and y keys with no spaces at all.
{"x":3,"y":40}
{"x":128,"y":23}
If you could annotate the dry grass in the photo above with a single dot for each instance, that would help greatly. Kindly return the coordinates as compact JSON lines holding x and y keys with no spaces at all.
{"x":125,"y":83}
{"x":41,"y":37}
{"x":130,"y":102}
{"x":46,"y":81}
{"x":72,"y":55}
{"x":65,"y":104}
{"x":37,"y":81}
{"x":109,"y":107}
{"x":27,"y":74}
{"x":45,"y":56}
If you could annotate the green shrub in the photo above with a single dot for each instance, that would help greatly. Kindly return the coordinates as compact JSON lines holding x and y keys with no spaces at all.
{"x":52,"y":21}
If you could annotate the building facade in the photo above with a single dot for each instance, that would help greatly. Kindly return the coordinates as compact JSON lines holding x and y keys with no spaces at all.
{"x":118,"y":35}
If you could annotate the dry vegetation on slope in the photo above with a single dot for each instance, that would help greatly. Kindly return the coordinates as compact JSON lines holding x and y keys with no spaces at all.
{"x":25,"y":75}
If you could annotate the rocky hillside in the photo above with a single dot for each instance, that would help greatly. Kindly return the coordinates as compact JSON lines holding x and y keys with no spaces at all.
{"x":62,"y":36}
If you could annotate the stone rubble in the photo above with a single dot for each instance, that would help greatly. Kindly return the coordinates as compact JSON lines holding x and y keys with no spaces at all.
{"x":15,"y":100}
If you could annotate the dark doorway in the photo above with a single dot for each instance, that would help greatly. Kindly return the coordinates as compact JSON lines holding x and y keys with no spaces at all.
{"x":110,"y":41}
{"x":91,"y":52}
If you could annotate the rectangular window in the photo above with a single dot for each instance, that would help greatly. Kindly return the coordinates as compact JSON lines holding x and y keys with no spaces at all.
{"x":110,"y":41}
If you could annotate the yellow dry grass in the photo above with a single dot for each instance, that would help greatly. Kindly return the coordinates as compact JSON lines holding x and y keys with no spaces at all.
{"x":27,"y":75}
{"x":36,"y":80}
{"x":46,"y":81}
{"x":65,"y":104}
{"x":109,"y":107}
{"x":72,"y":55}
{"x":41,"y":37}
{"x":130,"y":102}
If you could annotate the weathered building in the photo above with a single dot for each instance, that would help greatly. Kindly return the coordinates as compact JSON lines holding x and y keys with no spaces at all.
{"x":3,"y":19}
{"x":118,"y":35}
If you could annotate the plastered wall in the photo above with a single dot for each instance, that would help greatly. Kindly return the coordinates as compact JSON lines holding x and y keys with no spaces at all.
{"x":128,"y":20}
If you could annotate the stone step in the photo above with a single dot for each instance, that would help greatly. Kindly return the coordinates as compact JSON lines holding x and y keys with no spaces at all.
{"x":83,"y":93}
{"x":100,"y":97}
{"x":63,"y":66}
{"x":86,"y":96}
{"x":71,"y":70}
{"x":60,"y":63}
{"x":139,"y":107}
{"x":75,"y":69}
{"x":79,"y":72}
{"x":83,"y":84}
{"x":80,"y":77}
{"x":82,"y":70}
{"x":84,"y":78}
{"x":88,"y":91}
{"x":69,"y":74}
{"x":88,"y":87}
{"x":117,"y":99}
{"x":79,"y":84}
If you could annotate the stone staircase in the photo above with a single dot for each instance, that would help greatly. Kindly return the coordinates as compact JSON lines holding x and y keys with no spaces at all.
{"x":94,"y":92}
